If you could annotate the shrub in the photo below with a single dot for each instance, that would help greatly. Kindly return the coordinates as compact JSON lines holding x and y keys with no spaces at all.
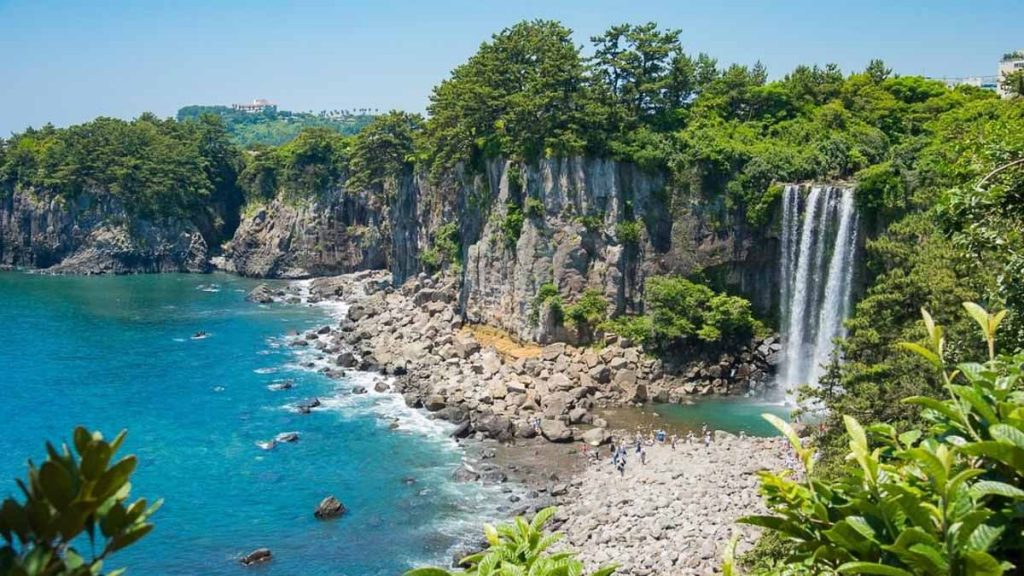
{"x":628,"y":232}
{"x":591,"y":222}
{"x":547,"y":293}
{"x":68,"y":499}
{"x":534,"y":208}
{"x":946,"y":499}
{"x":520,"y":548}
{"x":588,"y":312}
{"x":512,"y":225}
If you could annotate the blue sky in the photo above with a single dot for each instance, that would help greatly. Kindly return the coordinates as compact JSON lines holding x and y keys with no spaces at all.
{"x":67,"y":62}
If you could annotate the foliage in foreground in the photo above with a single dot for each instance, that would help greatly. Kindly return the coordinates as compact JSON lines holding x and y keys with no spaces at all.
{"x":519,"y":549}
{"x":944,"y":500}
{"x":73,"y":495}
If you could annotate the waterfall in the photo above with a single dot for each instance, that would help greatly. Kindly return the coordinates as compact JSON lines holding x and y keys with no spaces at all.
{"x":819,"y":240}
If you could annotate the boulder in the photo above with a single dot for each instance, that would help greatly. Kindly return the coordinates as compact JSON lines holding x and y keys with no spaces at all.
{"x":465,"y":345}
{"x":600,"y":374}
{"x":380,"y":386}
{"x":494,"y":426}
{"x":346,"y":360}
{"x":261,"y":294}
{"x":465,"y":474}
{"x":359,"y":389}
{"x":257,"y":556}
{"x":555,"y":431}
{"x":553,"y":351}
{"x":329,"y":507}
{"x":596,"y":436}
{"x":434,"y":402}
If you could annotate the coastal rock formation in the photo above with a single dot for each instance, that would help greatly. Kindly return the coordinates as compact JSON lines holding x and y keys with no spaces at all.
{"x":93,"y":235}
{"x":414,"y":333}
{"x":331,"y":234}
{"x":586,"y":223}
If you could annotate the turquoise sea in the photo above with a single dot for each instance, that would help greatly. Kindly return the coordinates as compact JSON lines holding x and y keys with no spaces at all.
{"x":116,"y":352}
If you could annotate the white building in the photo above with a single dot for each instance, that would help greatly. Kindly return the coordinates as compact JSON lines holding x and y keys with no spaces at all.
{"x":1011,"y":62}
{"x":258,"y":105}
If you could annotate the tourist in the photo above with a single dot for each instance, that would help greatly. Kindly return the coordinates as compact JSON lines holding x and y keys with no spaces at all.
{"x":707,"y":439}
{"x":674,"y":440}
{"x":643,"y":457}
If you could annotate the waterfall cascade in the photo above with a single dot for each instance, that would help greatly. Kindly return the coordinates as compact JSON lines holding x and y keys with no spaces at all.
{"x":819,"y":240}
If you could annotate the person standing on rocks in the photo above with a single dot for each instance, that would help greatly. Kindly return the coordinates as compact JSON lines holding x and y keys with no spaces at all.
{"x":643,"y":457}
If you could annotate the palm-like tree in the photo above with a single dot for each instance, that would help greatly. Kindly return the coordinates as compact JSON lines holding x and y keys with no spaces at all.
{"x":519,"y":549}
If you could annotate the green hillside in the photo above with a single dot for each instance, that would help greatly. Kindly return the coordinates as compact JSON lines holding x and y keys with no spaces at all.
{"x":276,"y":127}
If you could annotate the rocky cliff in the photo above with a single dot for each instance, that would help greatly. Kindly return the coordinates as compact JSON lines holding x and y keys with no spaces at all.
{"x":93,"y":235}
{"x":586,"y":223}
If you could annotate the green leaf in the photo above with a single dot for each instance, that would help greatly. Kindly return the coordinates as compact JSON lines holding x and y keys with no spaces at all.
{"x":993,"y":488}
{"x":786,"y":430}
{"x":980,"y":316}
{"x":1008,"y":434}
{"x":114,"y":479}
{"x":57,"y":484}
{"x":982,"y":564}
{"x":1007,"y":454}
{"x":872,"y":568}
{"x":427,"y":572}
{"x":923,"y":352}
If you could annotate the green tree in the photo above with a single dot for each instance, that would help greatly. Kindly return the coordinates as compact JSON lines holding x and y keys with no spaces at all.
{"x":74,"y":497}
{"x":383,"y":150}
{"x":518,"y":96}
{"x":1013,"y":83}
{"x":645,"y":70}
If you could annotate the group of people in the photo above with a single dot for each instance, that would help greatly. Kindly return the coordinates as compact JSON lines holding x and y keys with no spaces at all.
{"x":620,"y":451}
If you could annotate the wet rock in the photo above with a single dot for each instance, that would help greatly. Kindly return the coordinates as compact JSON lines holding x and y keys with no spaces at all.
{"x":330,"y":507}
{"x":261,"y":294}
{"x":346,"y":360}
{"x":380,"y":386}
{"x":465,"y":474}
{"x":287,"y":437}
{"x":257,"y":556}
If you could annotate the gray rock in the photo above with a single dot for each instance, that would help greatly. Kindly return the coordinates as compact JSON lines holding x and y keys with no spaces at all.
{"x":261,"y":294}
{"x":434,"y":402}
{"x":596,"y":436}
{"x":329,"y":507}
{"x":257,"y":556}
{"x":555,"y":431}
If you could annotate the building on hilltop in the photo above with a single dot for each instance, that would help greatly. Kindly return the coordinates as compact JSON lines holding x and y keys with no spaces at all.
{"x":1011,"y":62}
{"x":258,"y":105}
{"x":985,"y":82}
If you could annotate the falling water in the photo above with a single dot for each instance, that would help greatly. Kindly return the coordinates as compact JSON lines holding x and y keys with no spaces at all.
{"x":819,"y":238}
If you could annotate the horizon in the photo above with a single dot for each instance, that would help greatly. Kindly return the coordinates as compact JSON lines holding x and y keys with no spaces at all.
{"x":87,"y":60}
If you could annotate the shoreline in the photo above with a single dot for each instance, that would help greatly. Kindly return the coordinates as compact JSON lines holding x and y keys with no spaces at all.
{"x":521,"y":423}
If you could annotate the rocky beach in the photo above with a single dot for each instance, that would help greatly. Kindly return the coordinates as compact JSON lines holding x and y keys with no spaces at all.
{"x":528,"y":411}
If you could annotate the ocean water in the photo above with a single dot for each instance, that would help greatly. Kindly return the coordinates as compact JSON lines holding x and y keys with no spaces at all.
{"x":115,"y":352}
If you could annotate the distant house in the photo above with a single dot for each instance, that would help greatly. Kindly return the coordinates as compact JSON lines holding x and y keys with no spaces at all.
{"x":258,"y":105}
{"x":1011,"y":62}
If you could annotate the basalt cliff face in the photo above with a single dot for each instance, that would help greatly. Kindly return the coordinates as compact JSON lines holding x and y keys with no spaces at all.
{"x":586,"y":223}
{"x":93,"y":235}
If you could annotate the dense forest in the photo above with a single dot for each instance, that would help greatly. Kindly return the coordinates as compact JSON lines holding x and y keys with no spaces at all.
{"x":937,"y":174}
{"x":273,"y":127}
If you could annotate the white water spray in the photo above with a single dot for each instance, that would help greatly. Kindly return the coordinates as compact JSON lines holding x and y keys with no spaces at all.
{"x":815,"y":298}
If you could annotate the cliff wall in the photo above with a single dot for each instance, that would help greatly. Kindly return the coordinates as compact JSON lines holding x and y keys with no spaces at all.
{"x":93,"y":235}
